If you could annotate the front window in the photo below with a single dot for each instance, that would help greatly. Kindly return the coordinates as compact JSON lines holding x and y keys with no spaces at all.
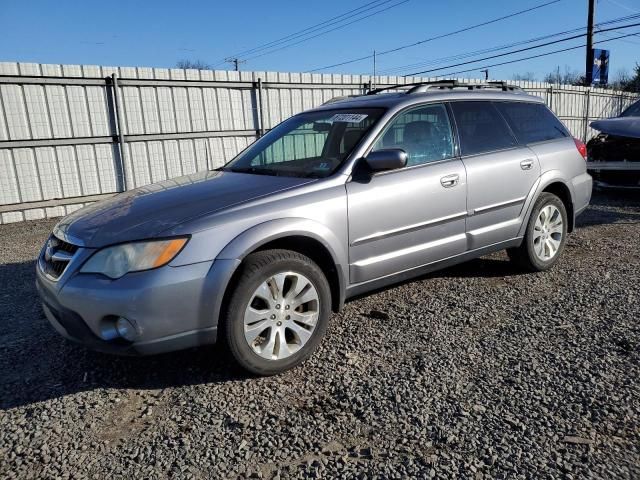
{"x":311,"y":144}
{"x":424,"y":133}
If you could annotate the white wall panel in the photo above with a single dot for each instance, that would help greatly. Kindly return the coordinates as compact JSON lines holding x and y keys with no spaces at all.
{"x":105,"y":161}
{"x":79,"y":111}
{"x":132,"y":111}
{"x":187,"y":156}
{"x":15,"y":112}
{"x":68,"y":168}
{"x":88,"y":169}
{"x":49,"y":173}
{"x":150,"y":110}
{"x":98,"y":114}
{"x":172,"y":156}
{"x":27,"y":172}
{"x":9,"y":190}
{"x":157,"y":162}
{"x":37,"y":110}
{"x":140,"y":164}
{"x":181,"y":105}
{"x":58,"y":112}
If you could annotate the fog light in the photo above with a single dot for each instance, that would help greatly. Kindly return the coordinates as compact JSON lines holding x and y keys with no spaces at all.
{"x":126,"y":329}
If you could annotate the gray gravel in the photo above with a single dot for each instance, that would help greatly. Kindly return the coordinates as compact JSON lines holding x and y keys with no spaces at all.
{"x":478,"y":371}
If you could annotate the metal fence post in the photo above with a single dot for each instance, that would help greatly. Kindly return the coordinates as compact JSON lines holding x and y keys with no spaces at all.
{"x":586,"y":115}
{"x":119,"y":123}
{"x":550,"y":94}
{"x":260,"y":107}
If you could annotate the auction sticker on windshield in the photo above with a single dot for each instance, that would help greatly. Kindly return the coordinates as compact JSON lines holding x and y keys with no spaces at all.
{"x":349,"y":117}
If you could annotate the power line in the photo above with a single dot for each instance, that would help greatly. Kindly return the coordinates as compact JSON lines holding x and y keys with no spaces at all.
{"x":476,"y":52}
{"x":534,"y":56}
{"x":313,"y":27}
{"x":331,"y":30}
{"x":573,"y":37}
{"x":630,"y":42}
{"x":437,"y":37}
{"x":285,"y":42}
{"x":501,"y":47}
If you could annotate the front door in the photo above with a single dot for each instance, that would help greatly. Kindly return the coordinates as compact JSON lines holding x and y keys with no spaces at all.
{"x":406,"y":218}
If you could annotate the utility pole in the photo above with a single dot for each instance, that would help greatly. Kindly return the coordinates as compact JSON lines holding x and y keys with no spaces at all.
{"x":374,"y":69}
{"x":589,"y":61}
{"x":236,"y":63}
{"x":486,"y":74}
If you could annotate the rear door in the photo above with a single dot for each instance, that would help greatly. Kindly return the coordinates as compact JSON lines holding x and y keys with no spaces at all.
{"x":405,"y":218}
{"x":500,"y":173}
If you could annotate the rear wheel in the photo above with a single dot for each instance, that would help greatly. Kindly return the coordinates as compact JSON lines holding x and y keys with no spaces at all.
{"x":278,"y":311}
{"x":545,"y":236}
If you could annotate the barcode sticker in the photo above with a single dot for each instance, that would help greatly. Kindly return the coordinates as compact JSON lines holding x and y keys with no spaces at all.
{"x":349,"y":117}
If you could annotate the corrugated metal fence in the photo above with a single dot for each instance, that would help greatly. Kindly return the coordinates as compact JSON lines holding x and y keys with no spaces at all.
{"x":74,"y":134}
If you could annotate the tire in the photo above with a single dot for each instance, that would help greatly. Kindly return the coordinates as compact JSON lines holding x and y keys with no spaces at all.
{"x":266,"y":303}
{"x":540,"y":236}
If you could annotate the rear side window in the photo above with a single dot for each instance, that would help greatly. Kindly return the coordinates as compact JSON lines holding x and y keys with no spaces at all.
{"x":481,"y":128}
{"x":532,"y":122}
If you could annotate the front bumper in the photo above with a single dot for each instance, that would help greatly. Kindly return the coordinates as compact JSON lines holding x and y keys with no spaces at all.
{"x":172,"y":308}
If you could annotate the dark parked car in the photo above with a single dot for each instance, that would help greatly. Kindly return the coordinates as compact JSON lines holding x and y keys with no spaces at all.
{"x":614,"y":154}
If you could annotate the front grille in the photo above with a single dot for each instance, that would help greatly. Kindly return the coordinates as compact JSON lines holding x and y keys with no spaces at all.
{"x":54,"y":265}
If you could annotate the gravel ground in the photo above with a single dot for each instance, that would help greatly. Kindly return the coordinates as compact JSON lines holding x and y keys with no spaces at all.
{"x":479,"y":371}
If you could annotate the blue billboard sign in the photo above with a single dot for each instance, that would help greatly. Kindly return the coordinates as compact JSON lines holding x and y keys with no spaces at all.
{"x":600,"y":66}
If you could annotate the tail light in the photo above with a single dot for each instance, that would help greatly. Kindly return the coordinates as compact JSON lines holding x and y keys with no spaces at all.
{"x":582,"y":148}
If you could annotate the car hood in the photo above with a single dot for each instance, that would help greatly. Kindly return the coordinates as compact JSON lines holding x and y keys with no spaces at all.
{"x":619,"y":126}
{"x":148,"y":211}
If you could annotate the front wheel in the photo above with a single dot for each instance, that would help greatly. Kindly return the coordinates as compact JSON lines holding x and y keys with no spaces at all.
{"x":278,"y":311}
{"x":545,"y":235}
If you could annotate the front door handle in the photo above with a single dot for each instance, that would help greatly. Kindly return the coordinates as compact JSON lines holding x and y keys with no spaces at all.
{"x":450,"y":180}
{"x":526,"y":164}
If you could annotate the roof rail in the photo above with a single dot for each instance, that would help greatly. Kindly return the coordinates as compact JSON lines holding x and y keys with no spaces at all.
{"x":340,"y":98}
{"x":446,"y":84}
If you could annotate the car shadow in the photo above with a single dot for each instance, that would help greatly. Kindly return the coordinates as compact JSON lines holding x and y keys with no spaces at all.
{"x":37,"y":364}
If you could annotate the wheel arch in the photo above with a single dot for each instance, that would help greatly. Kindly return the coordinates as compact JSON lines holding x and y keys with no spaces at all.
{"x":561,"y":190}
{"x":552,"y":182}
{"x":304,"y":236}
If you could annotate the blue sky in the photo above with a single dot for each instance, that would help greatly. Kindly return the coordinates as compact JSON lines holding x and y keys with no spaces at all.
{"x":159,"y":33}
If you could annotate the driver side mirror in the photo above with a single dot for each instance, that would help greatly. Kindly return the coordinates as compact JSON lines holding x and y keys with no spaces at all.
{"x":387,"y":159}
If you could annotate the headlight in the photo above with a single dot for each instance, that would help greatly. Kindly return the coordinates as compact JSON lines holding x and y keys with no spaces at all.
{"x":116,"y":261}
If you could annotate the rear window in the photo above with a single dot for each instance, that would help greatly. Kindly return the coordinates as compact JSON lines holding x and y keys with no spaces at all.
{"x":532,"y":122}
{"x":481,"y":128}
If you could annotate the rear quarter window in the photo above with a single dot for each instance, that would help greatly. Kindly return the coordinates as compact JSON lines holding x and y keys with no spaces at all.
{"x":532,"y":122}
{"x":481,"y":128}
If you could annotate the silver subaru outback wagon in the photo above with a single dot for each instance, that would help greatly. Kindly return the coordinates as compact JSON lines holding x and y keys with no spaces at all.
{"x":333,"y":202}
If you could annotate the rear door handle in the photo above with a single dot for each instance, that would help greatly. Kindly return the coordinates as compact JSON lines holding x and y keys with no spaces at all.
{"x":526,"y":164}
{"x":449,"y":181}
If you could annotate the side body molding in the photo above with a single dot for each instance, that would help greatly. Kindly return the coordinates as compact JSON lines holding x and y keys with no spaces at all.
{"x":263,"y":233}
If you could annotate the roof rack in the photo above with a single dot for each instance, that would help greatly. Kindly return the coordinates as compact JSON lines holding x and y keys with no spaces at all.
{"x":446,"y":84}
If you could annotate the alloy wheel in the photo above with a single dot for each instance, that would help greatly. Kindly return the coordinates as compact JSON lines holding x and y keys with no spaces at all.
{"x":547,"y":233}
{"x":281,"y":315}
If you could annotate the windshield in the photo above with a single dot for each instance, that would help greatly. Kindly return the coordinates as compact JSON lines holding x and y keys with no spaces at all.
{"x":632,"y":111}
{"x":311,"y":144}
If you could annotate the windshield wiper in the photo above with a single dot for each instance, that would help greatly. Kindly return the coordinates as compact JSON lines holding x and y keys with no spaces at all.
{"x":254,"y":170}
